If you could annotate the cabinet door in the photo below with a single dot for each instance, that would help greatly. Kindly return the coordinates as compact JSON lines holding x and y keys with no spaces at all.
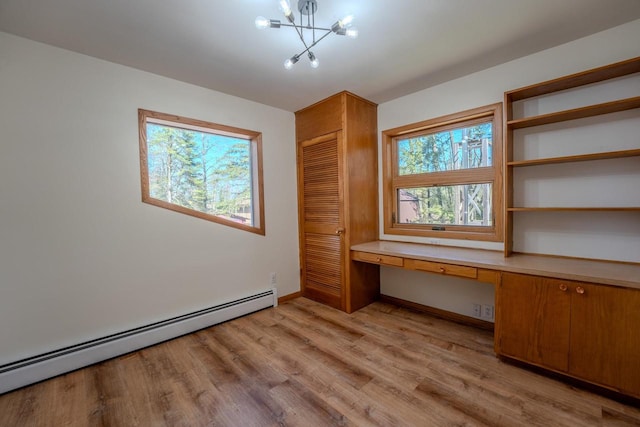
{"x":320,"y":190}
{"x":533,"y":320}
{"x":605,"y":336}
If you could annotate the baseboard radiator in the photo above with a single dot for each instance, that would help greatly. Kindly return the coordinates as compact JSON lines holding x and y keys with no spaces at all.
{"x":37,"y":368}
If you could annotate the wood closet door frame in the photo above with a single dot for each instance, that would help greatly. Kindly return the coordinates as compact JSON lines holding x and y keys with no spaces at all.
{"x":323,"y":227}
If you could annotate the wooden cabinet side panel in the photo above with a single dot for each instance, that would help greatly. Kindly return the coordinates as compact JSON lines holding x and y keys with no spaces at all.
{"x":508,"y":176}
{"x":361,"y":196}
{"x":361,"y":143}
{"x":605,"y":336}
{"x":534,"y":323}
{"x":364,"y":285}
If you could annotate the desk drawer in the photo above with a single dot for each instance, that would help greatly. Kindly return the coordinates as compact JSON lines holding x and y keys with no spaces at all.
{"x":438,"y":267}
{"x":377,"y":258}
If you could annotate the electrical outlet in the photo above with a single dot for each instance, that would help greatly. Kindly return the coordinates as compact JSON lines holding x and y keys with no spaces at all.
{"x":477,"y":310}
{"x":274,"y":278}
{"x":487,"y":312}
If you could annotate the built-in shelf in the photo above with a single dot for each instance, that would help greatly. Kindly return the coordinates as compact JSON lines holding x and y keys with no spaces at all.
{"x":557,"y":86}
{"x":576,"y":158}
{"x":576,"y":209}
{"x":595,"y":75}
{"x":576,"y":113}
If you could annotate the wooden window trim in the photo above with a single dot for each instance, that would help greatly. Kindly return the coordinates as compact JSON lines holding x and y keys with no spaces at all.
{"x":255,"y":139}
{"x":494,"y":175}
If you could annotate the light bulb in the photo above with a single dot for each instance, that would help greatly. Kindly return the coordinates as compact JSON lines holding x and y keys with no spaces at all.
{"x":314,"y":60}
{"x":262,"y":22}
{"x":352,"y":32}
{"x":286,"y":9}
{"x":341,"y":25}
{"x":346,"y":21}
{"x":288,"y":64}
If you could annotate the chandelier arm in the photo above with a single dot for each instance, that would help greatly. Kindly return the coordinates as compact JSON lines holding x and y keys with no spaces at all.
{"x":304,"y":27}
{"x":320,"y":39}
{"x":308,"y":48}
{"x":313,"y":26}
{"x":299,"y":31}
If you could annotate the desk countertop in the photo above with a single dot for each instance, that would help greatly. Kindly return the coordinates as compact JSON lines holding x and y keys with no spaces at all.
{"x":602,"y":272}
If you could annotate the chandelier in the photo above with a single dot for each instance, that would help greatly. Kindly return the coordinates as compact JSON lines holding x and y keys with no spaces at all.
{"x":309,"y":34}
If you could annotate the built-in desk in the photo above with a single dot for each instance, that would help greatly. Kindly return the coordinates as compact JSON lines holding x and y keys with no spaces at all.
{"x":446,"y":259}
{"x":573,"y":316}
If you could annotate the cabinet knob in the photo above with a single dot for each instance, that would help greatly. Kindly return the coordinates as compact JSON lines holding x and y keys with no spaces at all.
{"x":378,"y":259}
{"x":442,"y":270}
{"x":339,"y":231}
{"x":563,"y":287}
{"x":580,"y":290}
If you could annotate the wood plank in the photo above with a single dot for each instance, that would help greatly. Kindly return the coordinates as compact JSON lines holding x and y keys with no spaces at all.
{"x":576,"y":158}
{"x":610,"y":71}
{"x":575,"y":209}
{"x":576,"y":113}
{"x":303,"y":363}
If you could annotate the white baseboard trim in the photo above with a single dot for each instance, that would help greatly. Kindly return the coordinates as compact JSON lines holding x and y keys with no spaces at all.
{"x":37,"y":368}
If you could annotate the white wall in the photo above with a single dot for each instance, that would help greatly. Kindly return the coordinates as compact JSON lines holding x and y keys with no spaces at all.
{"x":608,"y":237}
{"x":80,"y":255}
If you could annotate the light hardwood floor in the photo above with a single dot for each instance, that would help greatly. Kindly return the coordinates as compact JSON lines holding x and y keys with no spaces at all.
{"x":306,"y":364}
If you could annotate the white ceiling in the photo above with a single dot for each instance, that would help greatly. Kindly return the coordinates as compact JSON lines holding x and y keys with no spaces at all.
{"x":404,"y":45}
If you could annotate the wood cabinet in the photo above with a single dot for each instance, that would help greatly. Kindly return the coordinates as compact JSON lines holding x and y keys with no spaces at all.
{"x":585,"y":330}
{"x":571,"y":87}
{"x":337,"y":199}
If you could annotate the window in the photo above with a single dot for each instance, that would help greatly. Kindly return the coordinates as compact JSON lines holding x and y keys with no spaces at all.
{"x":197,"y":168}
{"x":442,"y":177}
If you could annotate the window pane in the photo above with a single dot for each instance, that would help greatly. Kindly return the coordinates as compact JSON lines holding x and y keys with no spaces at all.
{"x":468,"y":204}
{"x":202,"y":171}
{"x":461,"y":148}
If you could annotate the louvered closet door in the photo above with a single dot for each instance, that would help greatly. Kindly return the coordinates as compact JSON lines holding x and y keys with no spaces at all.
{"x":321,"y":217}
